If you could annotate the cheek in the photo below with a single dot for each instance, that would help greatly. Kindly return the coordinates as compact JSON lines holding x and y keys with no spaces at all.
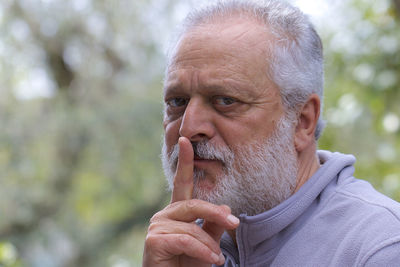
{"x":249,"y":130}
{"x":232,"y":133}
{"x":171,"y":134}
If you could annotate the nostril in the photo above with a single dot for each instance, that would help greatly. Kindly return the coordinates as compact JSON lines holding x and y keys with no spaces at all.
{"x":198,"y":137}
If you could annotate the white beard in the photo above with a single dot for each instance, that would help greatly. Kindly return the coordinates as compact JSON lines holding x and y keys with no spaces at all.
{"x":256,"y":177}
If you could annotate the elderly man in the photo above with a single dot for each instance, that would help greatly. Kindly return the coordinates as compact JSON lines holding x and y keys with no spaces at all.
{"x":243,"y":92}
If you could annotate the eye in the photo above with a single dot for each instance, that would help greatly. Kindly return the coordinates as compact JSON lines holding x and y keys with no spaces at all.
{"x":224,"y":100}
{"x":177,"y":102}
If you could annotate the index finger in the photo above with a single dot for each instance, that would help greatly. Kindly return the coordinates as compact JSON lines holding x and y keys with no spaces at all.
{"x":183,"y":181}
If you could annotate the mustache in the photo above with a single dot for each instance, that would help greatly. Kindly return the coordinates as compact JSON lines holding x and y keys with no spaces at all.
{"x":204,"y":150}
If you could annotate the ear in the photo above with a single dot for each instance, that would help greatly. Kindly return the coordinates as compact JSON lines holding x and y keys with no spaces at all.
{"x":307,"y":123}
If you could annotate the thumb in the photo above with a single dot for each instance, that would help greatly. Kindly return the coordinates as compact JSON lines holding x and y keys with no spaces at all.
{"x":216,"y":230}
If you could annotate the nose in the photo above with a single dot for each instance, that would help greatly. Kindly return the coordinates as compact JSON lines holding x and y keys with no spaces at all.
{"x":197,"y":122}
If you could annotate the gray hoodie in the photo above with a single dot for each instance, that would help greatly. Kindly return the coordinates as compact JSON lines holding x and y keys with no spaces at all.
{"x":332,"y":220}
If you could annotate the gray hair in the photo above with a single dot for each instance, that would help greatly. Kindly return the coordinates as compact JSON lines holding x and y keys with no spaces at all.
{"x":295,"y":57}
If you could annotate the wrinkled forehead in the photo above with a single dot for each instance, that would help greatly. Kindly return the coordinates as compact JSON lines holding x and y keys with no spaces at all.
{"x":236,"y":45}
{"x":230,"y":37}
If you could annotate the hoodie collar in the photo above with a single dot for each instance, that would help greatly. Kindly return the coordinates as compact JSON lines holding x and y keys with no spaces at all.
{"x":254,"y":230}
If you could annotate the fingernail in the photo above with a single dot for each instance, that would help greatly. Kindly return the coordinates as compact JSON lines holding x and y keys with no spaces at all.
{"x":221,"y":259}
{"x":232,"y":219}
{"x":215,"y":257}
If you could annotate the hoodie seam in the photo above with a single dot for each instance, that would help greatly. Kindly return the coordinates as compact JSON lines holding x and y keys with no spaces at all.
{"x":382,"y":245}
{"x":348,"y":194}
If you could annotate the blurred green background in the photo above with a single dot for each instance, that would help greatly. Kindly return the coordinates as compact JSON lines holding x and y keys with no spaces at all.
{"x":80,"y":114}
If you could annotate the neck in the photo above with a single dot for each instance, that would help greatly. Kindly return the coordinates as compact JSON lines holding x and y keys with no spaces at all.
{"x":308,"y":164}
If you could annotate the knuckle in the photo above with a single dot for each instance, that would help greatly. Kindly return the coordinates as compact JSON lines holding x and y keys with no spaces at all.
{"x":162,"y":214}
{"x":226,"y":208}
{"x":221,"y":211}
{"x":191,"y":204}
{"x":152,"y":227}
{"x":195,"y":229}
{"x":152,"y":241}
{"x":154,"y":218}
{"x":158,"y":216}
{"x":184,"y":240}
{"x":172,"y":205}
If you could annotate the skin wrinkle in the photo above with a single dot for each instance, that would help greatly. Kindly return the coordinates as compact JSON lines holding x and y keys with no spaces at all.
{"x":236,"y":18}
{"x":221,"y":45}
{"x":229,"y":75}
{"x":257,"y":105}
{"x":253,"y":134}
{"x":250,"y":182}
{"x":191,"y":75}
{"x":233,"y":85}
{"x":218,"y":93}
{"x":234,"y":78}
{"x":279,"y":28}
{"x":261,"y":46}
{"x":251,"y":150}
{"x":201,"y":62}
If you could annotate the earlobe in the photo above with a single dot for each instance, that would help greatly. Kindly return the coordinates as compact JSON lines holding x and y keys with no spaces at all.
{"x":307,"y":123}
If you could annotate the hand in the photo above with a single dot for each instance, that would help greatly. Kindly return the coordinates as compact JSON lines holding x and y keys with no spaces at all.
{"x":173,"y":238}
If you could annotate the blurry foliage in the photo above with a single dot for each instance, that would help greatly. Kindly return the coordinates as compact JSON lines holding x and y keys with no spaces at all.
{"x":362,"y":58}
{"x":81,"y":130}
{"x":80,"y":101}
{"x":8,"y":255}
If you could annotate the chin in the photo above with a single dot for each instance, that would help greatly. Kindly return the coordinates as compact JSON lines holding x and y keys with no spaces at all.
{"x":208,"y":189}
{"x":205,"y":185}
{"x":206,"y":178}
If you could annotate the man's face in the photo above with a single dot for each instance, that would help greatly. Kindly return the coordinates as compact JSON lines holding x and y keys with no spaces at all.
{"x":217,"y":91}
{"x":256,"y":177}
